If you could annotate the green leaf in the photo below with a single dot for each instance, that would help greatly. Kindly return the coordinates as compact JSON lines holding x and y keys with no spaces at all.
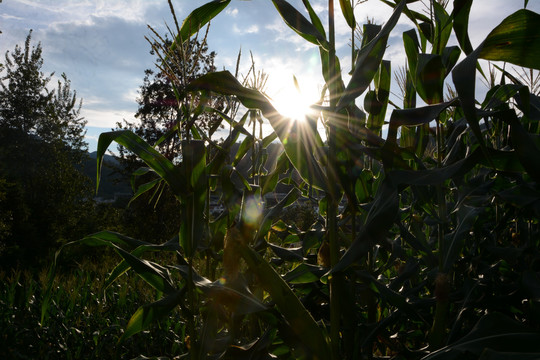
{"x":414,"y":117}
{"x":383,"y":79}
{"x":224,"y":150}
{"x":412,"y":49}
{"x":450,"y":57}
{"x":240,"y":302}
{"x":296,"y":21}
{"x":380,"y":218}
{"x":527,"y":151}
{"x":276,"y":211}
{"x":106,"y":237}
{"x":103,"y":238}
{"x":299,"y":141}
{"x":304,"y":274}
{"x":144,"y":188}
{"x":430,"y":74}
{"x":412,"y":15}
{"x":443,"y":28}
{"x":289,"y":305}
{"x":460,"y":14}
{"x":198,"y":18}
{"x":192,"y":227}
{"x":245,"y":146}
{"x":347,"y":10}
{"x":368,"y":60}
{"x":172,"y":245}
{"x":369,"y":32}
{"x":159,"y":163}
{"x":154,"y":274}
{"x":287,"y":254}
{"x":146,"y":314}
{"x":515,"y":40}
{"x":315,"y":20}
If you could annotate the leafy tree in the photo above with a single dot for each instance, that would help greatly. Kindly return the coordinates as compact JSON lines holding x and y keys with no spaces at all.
{"x":164,"y":106}
{"x":41,"y":148}
{"x":165,"y":109}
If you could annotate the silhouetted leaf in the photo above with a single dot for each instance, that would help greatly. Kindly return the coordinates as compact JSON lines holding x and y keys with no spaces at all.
{"x":299,"y":141}
{"x":460,"y":15}
{"x":368,"y":60}
{"x":288,"y":303}
{"x":454,"y":242}
{"x":296,"y":21}
{"x":493,"y":331}
{"x":159,"y":163}
{"x":430,"y":74}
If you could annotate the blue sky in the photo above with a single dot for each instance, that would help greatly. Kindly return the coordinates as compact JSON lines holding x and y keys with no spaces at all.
{"x":100,"y":44}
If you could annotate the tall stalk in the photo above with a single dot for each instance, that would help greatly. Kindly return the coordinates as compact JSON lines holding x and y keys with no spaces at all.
{"x":441,"y":283}
{"x":335,"y":308}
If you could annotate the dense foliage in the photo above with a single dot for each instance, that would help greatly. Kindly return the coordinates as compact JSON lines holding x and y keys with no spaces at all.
{"x":43,"y":193}
{"x":426,"y":242}
{"x":157,"y":122}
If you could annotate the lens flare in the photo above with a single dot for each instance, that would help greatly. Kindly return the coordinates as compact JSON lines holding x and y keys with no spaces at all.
{"x":252,"y":212}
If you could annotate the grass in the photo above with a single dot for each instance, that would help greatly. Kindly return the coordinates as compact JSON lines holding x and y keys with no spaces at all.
{"x":85,"y":321}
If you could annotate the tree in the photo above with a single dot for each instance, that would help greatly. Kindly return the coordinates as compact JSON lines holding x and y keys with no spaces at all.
{"x":164,"y":111}
{"x":41,"y":149}
{"x":163,"y":103}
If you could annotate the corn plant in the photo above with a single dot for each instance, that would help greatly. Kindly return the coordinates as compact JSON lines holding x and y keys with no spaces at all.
{"x":434,"y":254}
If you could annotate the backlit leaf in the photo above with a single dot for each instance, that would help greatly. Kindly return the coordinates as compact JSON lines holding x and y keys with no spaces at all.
{"x":368,"y":60}
{"x":515,"y":40}
{"x":347,"y":10}
{"x":296,"y":21}
{"x":159,"y":163}
{"x":198,"y":18}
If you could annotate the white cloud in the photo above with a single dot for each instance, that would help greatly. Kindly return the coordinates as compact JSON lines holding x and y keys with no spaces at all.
{"x":232,"y":12}
{"x":106,"y":117}
{"x":251,"y":29}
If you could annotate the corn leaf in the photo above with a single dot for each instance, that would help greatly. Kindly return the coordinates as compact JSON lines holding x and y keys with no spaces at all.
{"x":383,"y":79}
{"x":368,"y":60}
{"x":453,"y":245}
{"x":159,"y":163}
{"x":315,"y":20}
{"x":299,"y":146}
{"x":460,"y":14}
{"x":379,"y":220}
{"x":412,"y":49}
{"x":192,"y":227}
{"x":494,"y":331}
{"x":296,"y":21}
{"x":154,"y":274}
{"x":443,"y":28}
{"x":289,"y":305}
{"x":347,"y":10}
{"x":516,"y":40}
{"x":430,"y":74}
{"x":198,"y":18}
{"x":149,"y":313}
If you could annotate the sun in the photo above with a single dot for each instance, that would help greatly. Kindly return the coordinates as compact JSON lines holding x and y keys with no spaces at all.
{"x":292,"y":104}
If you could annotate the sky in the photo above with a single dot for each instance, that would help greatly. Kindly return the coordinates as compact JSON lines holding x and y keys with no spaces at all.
{"x":100,"y":44}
